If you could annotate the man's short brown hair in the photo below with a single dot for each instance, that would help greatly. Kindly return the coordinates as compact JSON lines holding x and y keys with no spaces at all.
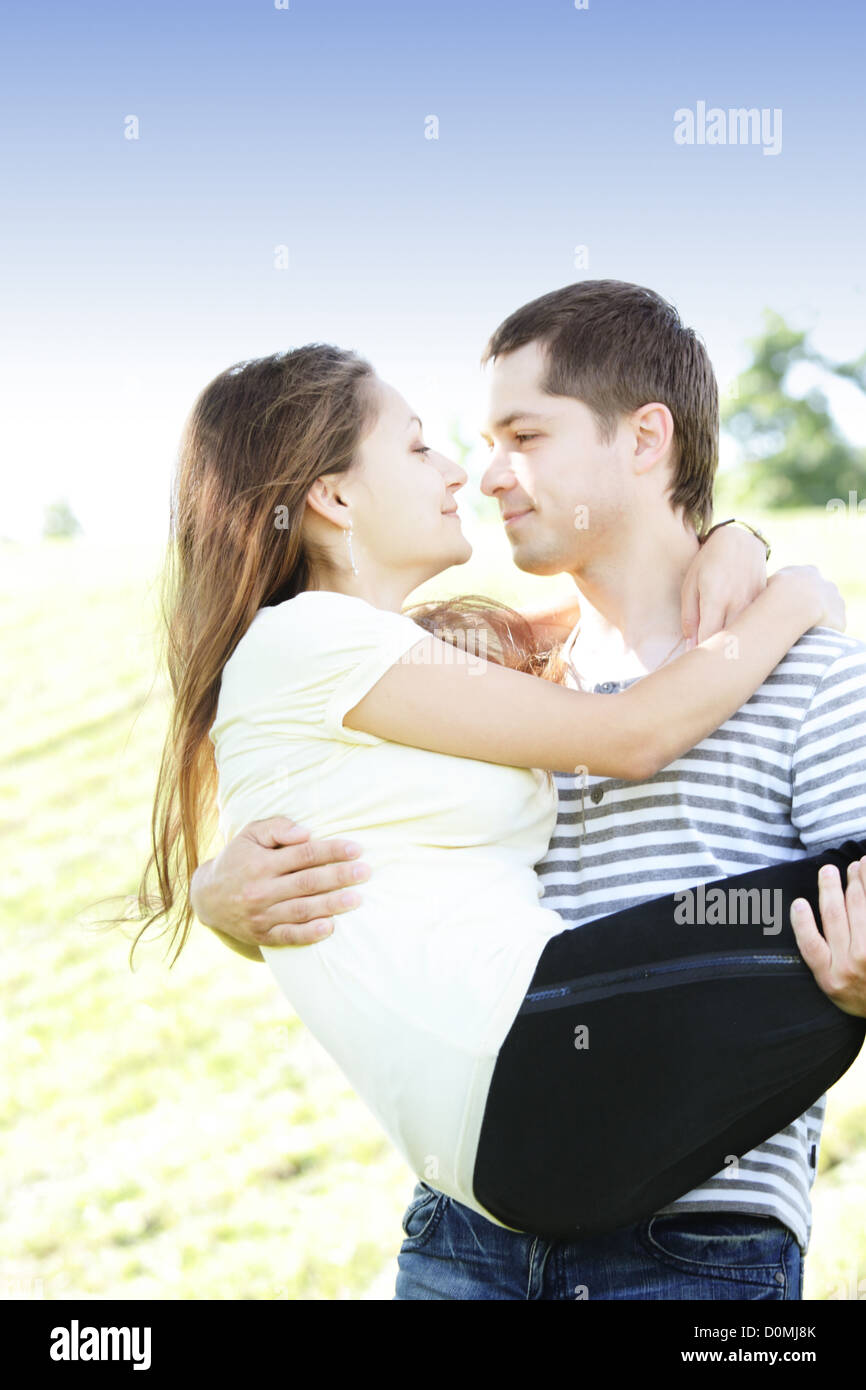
{"x":616,"y":347}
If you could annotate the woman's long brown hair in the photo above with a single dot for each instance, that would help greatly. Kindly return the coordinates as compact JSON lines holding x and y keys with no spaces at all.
{"x":256,"y":440}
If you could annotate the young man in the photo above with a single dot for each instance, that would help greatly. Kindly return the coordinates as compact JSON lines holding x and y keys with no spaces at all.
{"x":602,"y":432}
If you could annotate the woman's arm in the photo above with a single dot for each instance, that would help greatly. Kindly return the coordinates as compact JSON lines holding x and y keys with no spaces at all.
{"x":450,"y":701}
{"x":725,"y":576}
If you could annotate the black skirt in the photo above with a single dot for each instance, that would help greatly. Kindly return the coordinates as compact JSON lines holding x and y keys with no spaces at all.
{"x":651,"y":1052}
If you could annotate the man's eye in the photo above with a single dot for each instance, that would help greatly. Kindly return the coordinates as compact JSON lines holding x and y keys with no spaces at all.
{"x":522,"y":438}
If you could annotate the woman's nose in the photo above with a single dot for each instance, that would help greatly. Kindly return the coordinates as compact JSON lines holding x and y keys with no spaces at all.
{"x":455,"y":476}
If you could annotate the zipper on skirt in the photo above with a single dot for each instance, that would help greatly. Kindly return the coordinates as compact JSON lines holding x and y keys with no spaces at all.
{"x":658,"y":975}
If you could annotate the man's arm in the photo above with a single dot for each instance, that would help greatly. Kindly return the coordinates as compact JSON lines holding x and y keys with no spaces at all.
{"x":274,"y":885}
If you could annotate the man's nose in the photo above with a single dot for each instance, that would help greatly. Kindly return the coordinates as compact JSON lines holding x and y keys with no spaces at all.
{"x":498,"y":474}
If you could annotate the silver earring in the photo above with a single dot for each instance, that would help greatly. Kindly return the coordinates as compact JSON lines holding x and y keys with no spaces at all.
{"x":348,"y":535}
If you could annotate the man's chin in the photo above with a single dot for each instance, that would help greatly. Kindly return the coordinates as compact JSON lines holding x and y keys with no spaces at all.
{"x":528,"y":559}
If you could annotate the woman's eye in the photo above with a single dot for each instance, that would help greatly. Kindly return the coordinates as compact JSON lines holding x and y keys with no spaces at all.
{"x":422,"y":449}
{"x":522,"y":438}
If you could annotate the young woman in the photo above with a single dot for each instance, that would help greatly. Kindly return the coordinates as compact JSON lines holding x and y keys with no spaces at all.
{"x":555,"y":1080}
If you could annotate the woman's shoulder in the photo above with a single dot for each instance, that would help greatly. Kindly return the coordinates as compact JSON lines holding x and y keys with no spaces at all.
{"x":321,"y":651}
{"x":326,"y":610}
{"x":323,"y":624}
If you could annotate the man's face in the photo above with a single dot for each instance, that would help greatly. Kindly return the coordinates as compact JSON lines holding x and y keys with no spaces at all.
{"x":561,"y":491}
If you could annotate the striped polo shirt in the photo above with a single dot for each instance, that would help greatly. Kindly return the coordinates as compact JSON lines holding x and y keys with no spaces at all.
{"x":782,"y":779}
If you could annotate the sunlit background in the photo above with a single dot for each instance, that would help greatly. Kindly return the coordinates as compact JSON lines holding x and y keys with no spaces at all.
{"x":187,"y":186}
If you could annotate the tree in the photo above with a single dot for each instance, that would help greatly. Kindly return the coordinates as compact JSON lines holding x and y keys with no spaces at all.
{"x":793,"y":451}
{"x":60,"y":520}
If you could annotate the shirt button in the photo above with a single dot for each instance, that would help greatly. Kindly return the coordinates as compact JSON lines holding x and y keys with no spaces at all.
{"x":596,"y":794}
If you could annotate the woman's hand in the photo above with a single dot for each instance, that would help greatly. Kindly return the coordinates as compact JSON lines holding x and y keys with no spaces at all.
{"x":838,"y":958}
{"x":819,"y":595}
{"x":727,"y":573}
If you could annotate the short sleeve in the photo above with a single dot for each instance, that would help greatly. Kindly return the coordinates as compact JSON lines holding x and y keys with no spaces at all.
{"x":335,"y":648}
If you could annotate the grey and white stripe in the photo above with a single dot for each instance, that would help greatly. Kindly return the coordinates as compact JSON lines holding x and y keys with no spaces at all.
{"x":784,"y":777}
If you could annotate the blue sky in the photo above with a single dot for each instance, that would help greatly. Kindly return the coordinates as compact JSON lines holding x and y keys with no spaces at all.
{"x":134,"y":270}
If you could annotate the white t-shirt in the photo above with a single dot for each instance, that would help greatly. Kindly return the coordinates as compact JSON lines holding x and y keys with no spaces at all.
{"x":416,"y":989}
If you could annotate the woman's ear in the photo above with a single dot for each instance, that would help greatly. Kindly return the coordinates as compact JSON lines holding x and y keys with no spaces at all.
{"x":324,"y":498}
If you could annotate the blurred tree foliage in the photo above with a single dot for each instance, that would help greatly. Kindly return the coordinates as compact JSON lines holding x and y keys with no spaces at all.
{"x":461,"y":450}
{"x":60,"y":520}
{"x":793,"y":453}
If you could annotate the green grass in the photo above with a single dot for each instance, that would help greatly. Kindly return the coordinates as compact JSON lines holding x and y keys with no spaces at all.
{"x":175,"y":1133}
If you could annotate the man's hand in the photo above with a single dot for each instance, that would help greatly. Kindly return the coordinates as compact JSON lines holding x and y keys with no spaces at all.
{"x":274,"y":886}
{"x":727,"y":573}
{"x":838,"y":958}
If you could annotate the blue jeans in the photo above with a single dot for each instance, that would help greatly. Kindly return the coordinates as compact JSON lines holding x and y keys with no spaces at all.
{"x":451,"y":1252}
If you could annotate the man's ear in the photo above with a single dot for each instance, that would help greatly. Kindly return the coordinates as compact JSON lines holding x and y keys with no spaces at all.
{"x":325,"y":498}
{"x":653,"y":426}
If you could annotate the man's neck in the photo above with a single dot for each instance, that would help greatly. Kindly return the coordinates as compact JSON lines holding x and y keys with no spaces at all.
{"x":631,"y":602}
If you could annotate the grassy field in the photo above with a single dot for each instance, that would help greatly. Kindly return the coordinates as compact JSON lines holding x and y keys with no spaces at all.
{"x":175,"y":1133}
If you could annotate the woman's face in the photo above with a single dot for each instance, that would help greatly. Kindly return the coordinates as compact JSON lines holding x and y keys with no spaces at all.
{"x":402,"y":496}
